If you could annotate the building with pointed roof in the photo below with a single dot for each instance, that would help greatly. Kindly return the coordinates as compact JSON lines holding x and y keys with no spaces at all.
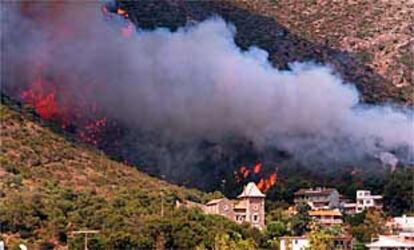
{"x":248,"y":207}
{"x":252,"y":191}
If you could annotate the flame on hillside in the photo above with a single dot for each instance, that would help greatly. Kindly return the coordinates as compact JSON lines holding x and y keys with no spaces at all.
{"x":41,"y":95}
{"x":257,"y":168}
{"x":127,"y":28}
{"x":57,"y":105}
{"x":264,"y":183}
{"x":49,"y":94}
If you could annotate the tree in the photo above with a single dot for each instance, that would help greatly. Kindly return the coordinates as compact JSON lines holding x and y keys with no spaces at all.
{"x":300,"y":221}
{"x":399,"y":192}
{"x":278,"y":214}
{"x":355,"y":219}
{"x":321,"y":240}
{"x":46,"y":245}
{"x":372,"y":226}
{"x":223,"y":241}
{"x":276,"y":229}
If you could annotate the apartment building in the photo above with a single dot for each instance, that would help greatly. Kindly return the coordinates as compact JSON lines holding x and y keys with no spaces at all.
{"x":327,"y":217}
{"x":318,"y":198}
{"x":365,"y":200}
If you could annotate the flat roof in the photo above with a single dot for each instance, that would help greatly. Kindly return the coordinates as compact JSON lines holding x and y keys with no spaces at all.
{"x":325,"y":212}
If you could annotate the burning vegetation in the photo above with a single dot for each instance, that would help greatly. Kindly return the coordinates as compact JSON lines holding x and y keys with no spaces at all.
{"x":49,"y":94}
{"x":264,"y":182}
{"x":96,"y":74}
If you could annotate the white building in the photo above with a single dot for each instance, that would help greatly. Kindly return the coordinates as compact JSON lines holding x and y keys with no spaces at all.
{"x":294,"y":243}
{"x":365,"y":200}
{"x":393,"y":242}
{"x":403,"y":224}
{"x":302,"y":243}
{"x":349,"y":208}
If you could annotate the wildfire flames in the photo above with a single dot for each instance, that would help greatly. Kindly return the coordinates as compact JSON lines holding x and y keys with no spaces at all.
{"x":257,"y":168}
{"x":128,"y":27}
{"x":264,"y":183}
{"x":54,"y":105}
{"x":42,"y":96}
{"x":46,"y":94}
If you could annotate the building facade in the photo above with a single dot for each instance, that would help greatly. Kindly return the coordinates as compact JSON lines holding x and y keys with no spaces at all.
{"x":403,"y":224}
{"x":327,"y":217}
{"x":364,"y":200}
{"x":294,"y":243}
{"x":392,"y":242}
{"x":302,"y":243}
{"x":248,"y":207}
{"x":318,"y":198}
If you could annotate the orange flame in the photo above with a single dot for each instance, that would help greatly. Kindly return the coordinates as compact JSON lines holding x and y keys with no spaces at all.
{"x":257,"y":168}
{"x":265,"y":184}
{"x":42,"y":101}
{"x":55,"y":105}
{"x":121,"y":12}
{"x":128,"y":28}
{"x":46,"y":92}
{"x":244,"y":171}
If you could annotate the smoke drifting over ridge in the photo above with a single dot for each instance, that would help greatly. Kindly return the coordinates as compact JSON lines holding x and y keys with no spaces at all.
{"x":196,"y":83}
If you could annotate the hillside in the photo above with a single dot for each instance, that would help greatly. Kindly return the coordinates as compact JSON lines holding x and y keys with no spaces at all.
{"x":51,"y":186}
{"x":368,"y":42}
{"x":54,"y":180}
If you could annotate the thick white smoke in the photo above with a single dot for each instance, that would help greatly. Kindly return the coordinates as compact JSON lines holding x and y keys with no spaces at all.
{"x":196,"y":82}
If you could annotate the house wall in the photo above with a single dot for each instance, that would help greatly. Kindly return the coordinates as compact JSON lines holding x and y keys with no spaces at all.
{"x":294,"y":244}
{"x":322,"y":199}
{"x":255,"y":213}
{"x":225,"y":208}
{"x":365,"y":200}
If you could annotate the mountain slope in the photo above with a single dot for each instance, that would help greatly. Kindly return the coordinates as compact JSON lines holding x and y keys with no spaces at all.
{"x":51,"y":186}
{"x":368,"y":43}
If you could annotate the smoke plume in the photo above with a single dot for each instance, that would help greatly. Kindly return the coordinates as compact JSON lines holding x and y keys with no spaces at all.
{"x":195,"y":83}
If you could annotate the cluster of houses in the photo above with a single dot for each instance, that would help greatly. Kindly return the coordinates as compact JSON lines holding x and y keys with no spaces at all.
{"x":328,"y":206}
{"x":327,"y":209}
{"x":401,"y":238}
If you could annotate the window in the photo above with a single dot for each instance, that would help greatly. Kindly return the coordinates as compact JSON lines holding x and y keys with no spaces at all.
{"x":255,"y":218}
{"x":256,"y":207}
{"x":225,"y":207}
